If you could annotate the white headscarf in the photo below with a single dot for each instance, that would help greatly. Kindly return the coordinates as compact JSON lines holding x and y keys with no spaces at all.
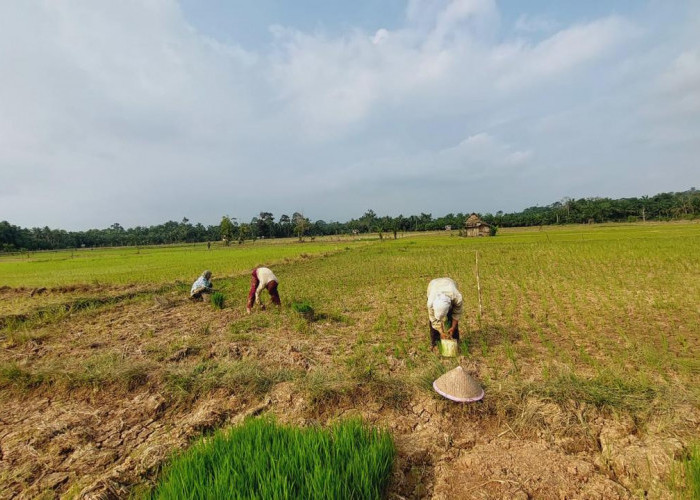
{"x":441,"y":306}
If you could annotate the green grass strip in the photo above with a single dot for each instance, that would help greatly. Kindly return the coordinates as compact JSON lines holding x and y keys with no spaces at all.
{"x":263,"y":459}
{"x":692,"y":471}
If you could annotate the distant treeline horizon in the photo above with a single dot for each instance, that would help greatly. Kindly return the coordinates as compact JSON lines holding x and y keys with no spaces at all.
{"x":660,"y":207}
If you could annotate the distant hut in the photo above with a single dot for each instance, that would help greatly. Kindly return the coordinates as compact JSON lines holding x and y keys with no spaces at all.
{"x":474,"y":226}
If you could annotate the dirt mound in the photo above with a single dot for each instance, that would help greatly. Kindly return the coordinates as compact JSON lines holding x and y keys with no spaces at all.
{"x":638,"y":460}
{"x":522,"y":470}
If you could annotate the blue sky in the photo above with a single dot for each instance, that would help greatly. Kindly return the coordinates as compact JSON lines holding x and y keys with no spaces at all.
{"x":139,"y":112}
{"x":248,"y":23}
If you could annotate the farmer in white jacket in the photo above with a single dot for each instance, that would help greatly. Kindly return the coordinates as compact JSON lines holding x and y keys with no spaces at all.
{"x":444,"y":303}
{"x":262,"y":278}
{"x":203,"y":285}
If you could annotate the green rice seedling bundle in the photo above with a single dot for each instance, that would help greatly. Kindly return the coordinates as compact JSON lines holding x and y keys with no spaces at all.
{"x":304,"y":308}
{"x":262,"y":459}
{"x":217,"y":300}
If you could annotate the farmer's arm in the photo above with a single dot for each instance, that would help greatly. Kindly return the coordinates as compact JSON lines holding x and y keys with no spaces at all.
{"x":452,"y":329}
{"x":257,"y":292}
{"x":456,"y":312}
{"x":434,"y":322}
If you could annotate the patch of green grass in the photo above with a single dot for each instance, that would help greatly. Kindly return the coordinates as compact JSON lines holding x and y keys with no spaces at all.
{"x":691,"y":470}
{"x":246,"y":327}
{"x":262,"y":459}
{"x":684,"y":476}
{"x":328,"y":387}
{"x":12,"y":375}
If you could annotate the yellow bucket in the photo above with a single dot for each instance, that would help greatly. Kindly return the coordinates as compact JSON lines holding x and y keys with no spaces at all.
{"x":448,"y":348}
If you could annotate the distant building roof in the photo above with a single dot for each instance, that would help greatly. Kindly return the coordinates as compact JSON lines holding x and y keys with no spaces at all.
{"x":475,"y":221}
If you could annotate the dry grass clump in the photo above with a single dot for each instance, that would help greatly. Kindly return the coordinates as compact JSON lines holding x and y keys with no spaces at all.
{"x":17,"y":328}
{"x":239,"y":377}
{"x":328,"y":388}
{"x":605,"y":391}
{"x":98,"y":372}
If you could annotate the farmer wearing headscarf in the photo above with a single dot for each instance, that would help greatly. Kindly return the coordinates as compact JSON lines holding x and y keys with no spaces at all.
{"x":262,"y":278}
{"x":444,"y":303}
{"x":202,"y":285}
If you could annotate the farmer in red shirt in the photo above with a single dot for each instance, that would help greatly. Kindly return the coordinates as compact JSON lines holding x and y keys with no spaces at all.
{"x":262,"y":278}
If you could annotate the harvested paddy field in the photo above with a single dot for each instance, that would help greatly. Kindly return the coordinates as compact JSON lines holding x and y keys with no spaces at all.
{"x":587,"y":346}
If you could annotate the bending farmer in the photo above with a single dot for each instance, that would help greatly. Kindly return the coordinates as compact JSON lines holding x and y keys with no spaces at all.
{"x":444,"y":303}
{"x":201,"y":286}
{"x":262,"y":278}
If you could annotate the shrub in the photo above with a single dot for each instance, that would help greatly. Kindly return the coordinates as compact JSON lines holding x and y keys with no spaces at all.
{"x":262,"y":459}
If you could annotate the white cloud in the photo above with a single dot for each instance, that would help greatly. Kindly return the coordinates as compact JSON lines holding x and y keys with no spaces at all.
{"x":122,"y":111}
{"x":534,"y":24}
{"x":681,"y":82}
{"x":471,"y":159}
{"x":380,"y":36}
{"x":564,"y":51}
{"x":338,"y":82}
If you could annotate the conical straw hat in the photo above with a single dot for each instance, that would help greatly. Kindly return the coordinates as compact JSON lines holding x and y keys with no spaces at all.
{"x":458,"y":386}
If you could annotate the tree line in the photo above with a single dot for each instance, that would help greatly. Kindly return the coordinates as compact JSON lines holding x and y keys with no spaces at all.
{"x":14,"y":238}
{"x":663,"y":206}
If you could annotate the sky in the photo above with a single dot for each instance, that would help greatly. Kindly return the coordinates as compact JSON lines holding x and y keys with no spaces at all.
{"x":140,"y":112}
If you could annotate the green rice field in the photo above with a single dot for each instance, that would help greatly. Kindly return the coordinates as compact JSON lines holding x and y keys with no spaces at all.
{"x":586,"y":340}
{"x":154,"y":265}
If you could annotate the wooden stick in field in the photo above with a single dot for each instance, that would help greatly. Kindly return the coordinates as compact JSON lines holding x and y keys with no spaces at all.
{"x":478,"y":283}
